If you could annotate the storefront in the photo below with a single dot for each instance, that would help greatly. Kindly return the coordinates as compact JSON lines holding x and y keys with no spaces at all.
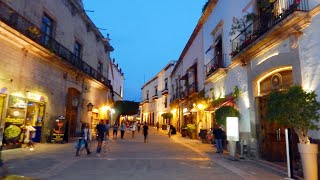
{"x":23,"y":109}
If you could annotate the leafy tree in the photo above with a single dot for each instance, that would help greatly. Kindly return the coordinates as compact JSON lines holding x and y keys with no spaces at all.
{"x":167,"y":115}
{"x":223,"y":112}
{"x":296,"y":109}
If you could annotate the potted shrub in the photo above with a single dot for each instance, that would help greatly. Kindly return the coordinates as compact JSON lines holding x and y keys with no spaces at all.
{"x":191,"y":128}
{"x":299,"y":110}
{"x":166,"y":116}
{"x":184,"y":131}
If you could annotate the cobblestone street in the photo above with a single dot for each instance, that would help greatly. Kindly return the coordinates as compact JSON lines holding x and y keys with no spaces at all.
{"x":160,"y":158}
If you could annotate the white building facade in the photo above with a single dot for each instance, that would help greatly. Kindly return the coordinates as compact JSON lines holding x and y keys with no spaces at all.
{"x":155,"y":97}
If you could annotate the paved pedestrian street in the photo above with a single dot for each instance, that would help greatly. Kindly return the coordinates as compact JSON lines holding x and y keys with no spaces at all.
{"x":160,"y":158}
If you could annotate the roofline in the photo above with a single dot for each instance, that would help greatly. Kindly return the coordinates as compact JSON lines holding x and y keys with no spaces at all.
{"x":205,"y":15}
{"x":171,"y":63}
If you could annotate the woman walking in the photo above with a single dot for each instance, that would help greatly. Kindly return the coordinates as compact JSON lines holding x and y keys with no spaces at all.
{"x":145,"y":132}
{"x":85,"y":137}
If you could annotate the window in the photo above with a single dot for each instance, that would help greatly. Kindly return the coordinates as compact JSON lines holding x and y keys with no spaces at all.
{"x":165,"y":102}
{"x":156,"y":90}
{"x":147,"y":95}
{"x":100,"y":67}
{"x":166,"y":83}
{"x":47,"y":29}
{"x":77,"y":50}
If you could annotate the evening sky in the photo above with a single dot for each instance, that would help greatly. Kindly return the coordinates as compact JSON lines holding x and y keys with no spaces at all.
{"x":146,"y":34}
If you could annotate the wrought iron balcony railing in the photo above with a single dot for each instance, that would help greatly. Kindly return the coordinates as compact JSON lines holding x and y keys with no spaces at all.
{"x":24,"y":26}
{"x":192,"y":88}
{"x":265,"y":21}
{"x":219,"y":61}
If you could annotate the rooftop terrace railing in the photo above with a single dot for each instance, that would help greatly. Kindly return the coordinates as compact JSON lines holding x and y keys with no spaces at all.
{"x":16,"y":21}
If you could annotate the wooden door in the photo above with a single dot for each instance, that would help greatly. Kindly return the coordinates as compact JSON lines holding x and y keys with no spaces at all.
{"x":72,"y":109}
{"x":271,"y":136}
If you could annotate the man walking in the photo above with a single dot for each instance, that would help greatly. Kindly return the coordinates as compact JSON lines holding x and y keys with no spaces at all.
{"x":101,"y":128}
{"x":122,"y":129}
{"x":218,"y":135}
{"x":115,"y":130}
{"x":107,"y":129}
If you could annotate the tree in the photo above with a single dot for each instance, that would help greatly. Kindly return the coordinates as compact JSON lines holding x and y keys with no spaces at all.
{"x":296,"y":109}
{"x":126,"y":108}
{"x":223,"y":112}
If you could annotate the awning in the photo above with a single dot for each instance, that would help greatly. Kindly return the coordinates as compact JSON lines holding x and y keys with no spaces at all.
{"x":214,"y":44}
{"x":228,"y":101}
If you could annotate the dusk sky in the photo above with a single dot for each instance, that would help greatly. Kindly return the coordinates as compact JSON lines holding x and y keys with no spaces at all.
{"x":146,"y":34}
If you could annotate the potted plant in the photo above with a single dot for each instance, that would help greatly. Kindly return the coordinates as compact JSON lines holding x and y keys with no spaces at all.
{"x":299,"y":110}
{"x":184,"y":131}
{"x":166,"y":116}
{"x":191,"y":128}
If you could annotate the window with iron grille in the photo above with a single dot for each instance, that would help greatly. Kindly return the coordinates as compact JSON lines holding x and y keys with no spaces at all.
{"x":47,"y":29}
{"x":100,"y":67}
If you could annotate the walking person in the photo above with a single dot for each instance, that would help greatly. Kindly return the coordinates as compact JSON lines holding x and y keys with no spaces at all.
{"x":158,"y":126}
{"x":115,"y":130}
{"x":85,"y":136}
{"x":107,"y":129}
{"x":101,"y":128}
{"x":122,"y":129}
{"x":169,"y":130}
{"x":133,"y":129}
{"x":139,"y":126}
{"x":145,"y":132}
{"x":218,"y":135}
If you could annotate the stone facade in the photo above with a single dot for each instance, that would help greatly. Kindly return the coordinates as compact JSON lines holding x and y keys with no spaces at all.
{"x":43,"y":78}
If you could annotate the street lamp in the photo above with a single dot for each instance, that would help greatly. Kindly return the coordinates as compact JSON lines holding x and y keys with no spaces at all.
{"x":89,"y":106}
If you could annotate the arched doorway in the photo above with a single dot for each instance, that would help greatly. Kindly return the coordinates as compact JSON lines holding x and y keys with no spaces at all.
{"x":72,"y":108}
{"x":271,"y":135}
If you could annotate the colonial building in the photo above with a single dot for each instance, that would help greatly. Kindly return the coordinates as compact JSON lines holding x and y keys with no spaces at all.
{"x":255,"y":47}
{"x":155,"y":97}
{"x":55,"y":70}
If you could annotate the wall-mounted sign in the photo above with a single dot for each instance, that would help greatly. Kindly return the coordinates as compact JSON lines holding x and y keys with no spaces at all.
{"x":17,"y":102}
{"x":4,"y":90}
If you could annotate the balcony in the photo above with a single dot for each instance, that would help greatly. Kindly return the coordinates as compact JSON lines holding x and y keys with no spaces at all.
{"x":272,"y":25}
{"x":216,"y":67}
{"x":192,"y":89}
{"x":154,"y":97}
{"x":146,"y":101}
{"x":31,"y":31}
{"x":165,"y":91}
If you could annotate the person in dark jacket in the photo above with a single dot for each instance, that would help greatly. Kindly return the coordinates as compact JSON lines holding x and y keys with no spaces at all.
{"x":218,"y":135}
{"x":101,"y":129}
{"x":145,"y":132}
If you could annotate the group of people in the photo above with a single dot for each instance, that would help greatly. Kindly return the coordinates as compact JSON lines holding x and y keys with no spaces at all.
{"x":103,"y":132}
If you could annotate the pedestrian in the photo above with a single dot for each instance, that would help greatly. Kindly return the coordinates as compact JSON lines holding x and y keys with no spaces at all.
{"x":101,"y":129}
{"x":115,"y":130}
{"x":218,"y":135}
{"x":158,"y":126}
{"x":139,"y":126}
{"x":169,"y":130}
{"x":85,"y":137}
{"x":133,"y":129}
{"x":107,"y":129}
{"x":145,"y":132}
{"x":122,"y":129}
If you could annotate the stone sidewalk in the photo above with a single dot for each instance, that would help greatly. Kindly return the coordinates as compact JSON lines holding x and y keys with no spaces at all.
{"x":247,"y":168}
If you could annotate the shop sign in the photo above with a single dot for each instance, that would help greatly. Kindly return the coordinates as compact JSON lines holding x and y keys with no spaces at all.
{"x":17,"y":102}
{"x":36,"y":97}
{"x":4,"y":90}
{"x":58,"y":131}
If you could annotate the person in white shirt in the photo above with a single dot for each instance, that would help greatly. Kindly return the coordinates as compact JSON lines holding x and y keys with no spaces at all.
{"x":133,"y":129}
{"x":85,"y":137}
